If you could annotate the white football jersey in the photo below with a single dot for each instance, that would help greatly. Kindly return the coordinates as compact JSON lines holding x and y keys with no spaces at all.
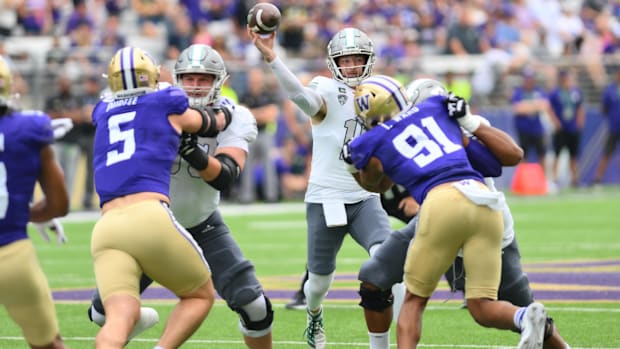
{"x":192,"y":200}
{"x":329,"y":178}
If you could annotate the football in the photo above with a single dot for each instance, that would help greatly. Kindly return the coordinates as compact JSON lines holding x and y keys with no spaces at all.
{"x":264,"y":18}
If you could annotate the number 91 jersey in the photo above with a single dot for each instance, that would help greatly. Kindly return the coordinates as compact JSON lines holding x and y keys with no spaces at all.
{"x":135,"y":144}
{"x":419,"y":148}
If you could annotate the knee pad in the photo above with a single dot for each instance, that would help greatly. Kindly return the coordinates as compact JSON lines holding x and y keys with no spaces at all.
{"x":96,"y":316}
{"x":259,"y":309}
{"x":375,"y":299}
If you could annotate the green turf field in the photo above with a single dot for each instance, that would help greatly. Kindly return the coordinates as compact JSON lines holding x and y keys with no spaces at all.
{"x":571,"y":227}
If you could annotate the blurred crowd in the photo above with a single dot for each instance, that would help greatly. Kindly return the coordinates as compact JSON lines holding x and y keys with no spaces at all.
{"x":479,"y":48}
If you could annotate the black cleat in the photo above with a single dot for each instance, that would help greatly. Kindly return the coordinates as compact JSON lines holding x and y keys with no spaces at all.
{"x":298,"y":302}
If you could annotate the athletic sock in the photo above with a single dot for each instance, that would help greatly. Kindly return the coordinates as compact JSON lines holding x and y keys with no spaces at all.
{"x":519,"y":316}
{"x":379,"y":340}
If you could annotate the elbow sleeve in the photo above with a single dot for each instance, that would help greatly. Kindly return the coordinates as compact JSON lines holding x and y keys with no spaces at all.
{"x":228,"y":174}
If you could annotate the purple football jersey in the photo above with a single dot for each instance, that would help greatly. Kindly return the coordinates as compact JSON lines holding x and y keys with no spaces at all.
{"x":419,"y":148}
{"x":22,"y":136}
{"x":135,"y":144}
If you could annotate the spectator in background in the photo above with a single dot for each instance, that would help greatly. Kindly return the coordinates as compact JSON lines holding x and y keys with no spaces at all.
{"x":35,"y":17}
{"x":79,"y":16}
{"x":464,"y":36}
{"x":8,"y":16}
{"x":261,"y":99}
{"x":568,"y":105}
{"x":457,"y":85}
{"x":111,"y":38}
{"x":292,"y":166}
{"x":180,"y":30}
{"x":65,"y":104}
{"x":531,"y":108}
{"x":292,"y":27}
{"x":91,"y":96}
{"x":150,"y":10}
{"x":611,"y":110}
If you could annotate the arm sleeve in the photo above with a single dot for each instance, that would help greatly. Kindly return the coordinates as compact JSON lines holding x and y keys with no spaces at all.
{"x":306,"y":99}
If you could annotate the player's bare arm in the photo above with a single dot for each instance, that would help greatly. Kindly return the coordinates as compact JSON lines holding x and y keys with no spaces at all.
{"x":505,"y":149}
{"x":372,"y":177}
{"x":56,"y":201}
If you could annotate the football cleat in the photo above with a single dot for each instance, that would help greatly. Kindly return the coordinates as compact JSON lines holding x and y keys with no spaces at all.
{"x":533,"y":327}
{"x":315,"y":333}
{"x":148,"y":319}
{"x":298,"y":302}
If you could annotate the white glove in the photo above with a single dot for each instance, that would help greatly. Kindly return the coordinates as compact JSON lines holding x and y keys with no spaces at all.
{"x":61,"y":127}
{"x":55,"y":227}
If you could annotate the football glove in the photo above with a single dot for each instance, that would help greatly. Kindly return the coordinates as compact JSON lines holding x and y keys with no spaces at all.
{"x":458,"y":109}
{"x":55,"y":227}
{"x":61,"y":127}
{"x":191,"y":152}
{"x":345,"y":153}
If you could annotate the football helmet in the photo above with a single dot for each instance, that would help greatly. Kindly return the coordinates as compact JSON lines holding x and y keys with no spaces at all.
{"x":132,"y":71}
{"x":6,"y":80}
{"x":201,"y":59}
{"x":350,"y":41}
{"x":420,"y":89}
{"x":378,"y":99}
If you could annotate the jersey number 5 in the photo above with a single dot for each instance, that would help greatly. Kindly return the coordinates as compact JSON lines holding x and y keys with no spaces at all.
{"x":117,"y":135}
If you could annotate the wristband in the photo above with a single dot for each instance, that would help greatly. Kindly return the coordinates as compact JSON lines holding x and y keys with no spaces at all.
{"x":469,"y":122}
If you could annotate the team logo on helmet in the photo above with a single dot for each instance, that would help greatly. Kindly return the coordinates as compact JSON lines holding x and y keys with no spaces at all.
{"x":378,"y":99}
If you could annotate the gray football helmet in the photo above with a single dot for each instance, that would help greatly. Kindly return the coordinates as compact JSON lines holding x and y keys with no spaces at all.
{"x":201,"y":59}
{"x":421,"y":89}
{"x":350,"y":41}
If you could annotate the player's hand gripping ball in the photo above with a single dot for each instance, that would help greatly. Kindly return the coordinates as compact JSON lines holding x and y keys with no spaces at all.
{"x":264,"y":18}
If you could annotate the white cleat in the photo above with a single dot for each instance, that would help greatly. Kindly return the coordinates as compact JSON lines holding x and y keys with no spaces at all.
{"x":148,"y":319}
{"x":533,"y":327}
{"x":315,"y":333}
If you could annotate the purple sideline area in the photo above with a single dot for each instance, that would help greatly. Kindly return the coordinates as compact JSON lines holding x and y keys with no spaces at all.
{"x":588,"y":281}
